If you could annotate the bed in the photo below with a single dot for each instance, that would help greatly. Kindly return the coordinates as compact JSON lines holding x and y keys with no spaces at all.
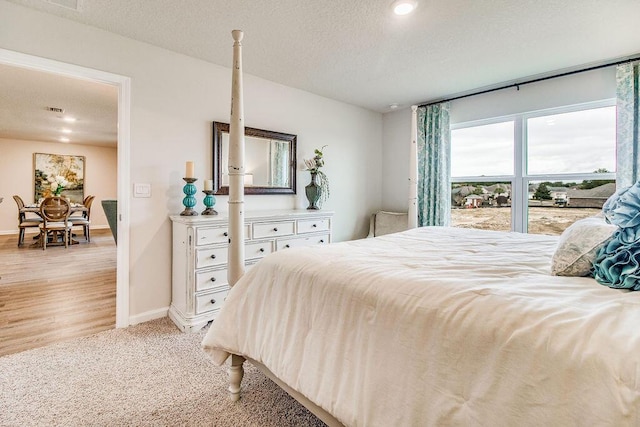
{"x":439,"y":326}
{"x":432,"y":326}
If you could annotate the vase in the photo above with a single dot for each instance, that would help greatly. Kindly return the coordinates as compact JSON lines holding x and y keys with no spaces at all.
{"x":313,"y":193}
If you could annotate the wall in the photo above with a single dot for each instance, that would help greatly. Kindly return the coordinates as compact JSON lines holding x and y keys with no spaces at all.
{"x":174,"y":100}
{"x":16,"y":176}
{"x":576,"y":89}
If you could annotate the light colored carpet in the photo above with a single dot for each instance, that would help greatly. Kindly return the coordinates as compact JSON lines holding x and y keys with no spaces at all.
{"x":145,"y":375}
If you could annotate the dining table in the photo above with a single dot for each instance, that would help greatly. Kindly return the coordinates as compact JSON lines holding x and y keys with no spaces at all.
{"x":35,"y":208}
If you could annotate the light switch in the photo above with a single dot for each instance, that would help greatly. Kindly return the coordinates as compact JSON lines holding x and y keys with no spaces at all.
{"x":141,"y":190}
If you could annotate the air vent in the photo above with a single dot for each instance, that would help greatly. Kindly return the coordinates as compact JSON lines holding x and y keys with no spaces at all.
{"x":55,"y":110}
{"x":67,"y":4}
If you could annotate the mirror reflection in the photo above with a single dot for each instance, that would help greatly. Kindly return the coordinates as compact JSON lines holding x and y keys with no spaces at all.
{"x":269,"y":161}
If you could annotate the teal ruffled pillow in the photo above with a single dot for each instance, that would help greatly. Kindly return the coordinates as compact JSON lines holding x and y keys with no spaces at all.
{"x":623,"y":208}
{"x":617,"y":263}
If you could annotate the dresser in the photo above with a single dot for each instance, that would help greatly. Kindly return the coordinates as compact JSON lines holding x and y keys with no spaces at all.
{"x":200,"y":254}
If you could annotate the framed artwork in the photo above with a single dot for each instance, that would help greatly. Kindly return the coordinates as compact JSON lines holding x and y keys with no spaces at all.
{"x":58,"y":174}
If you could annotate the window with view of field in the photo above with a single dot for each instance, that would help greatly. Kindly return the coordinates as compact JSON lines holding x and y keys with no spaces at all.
{"x":536,"y":172}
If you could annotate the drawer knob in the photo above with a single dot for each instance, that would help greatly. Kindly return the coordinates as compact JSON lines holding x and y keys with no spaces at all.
{"x":213,"y":301}
{"x":213,"y":279}
{"x":275,"y":228}
{"x":213,"y":256}
{"x":287,"y":246}
{"x":225,"y":234}
{"x":314,"y":225}
{"x":261,"y":249}
{"x":321,"y":241}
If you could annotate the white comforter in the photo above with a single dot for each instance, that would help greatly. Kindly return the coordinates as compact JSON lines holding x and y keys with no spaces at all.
{"x":439,"y":327}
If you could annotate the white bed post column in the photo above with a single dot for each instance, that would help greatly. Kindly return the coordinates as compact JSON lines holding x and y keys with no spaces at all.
{"x":236,"y":196}
{"x":236,"y":166}
{"x":413,"y":169}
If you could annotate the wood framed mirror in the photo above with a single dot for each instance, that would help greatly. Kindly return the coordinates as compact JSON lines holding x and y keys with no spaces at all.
{"x":270,"y":161}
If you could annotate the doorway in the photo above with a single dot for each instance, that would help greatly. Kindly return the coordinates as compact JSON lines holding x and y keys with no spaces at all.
{"x":123,"y":85}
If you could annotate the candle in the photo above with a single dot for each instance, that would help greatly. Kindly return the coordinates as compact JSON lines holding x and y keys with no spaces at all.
{"x":190,"y":170}
{"x":208,"y":185}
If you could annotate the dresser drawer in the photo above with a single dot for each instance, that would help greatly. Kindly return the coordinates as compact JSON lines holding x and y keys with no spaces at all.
{"x":301,"y":241}
{"x":211,"y":257}
{"x":210,"y":301}
{"x":210,"y":235}
{"x":273,"y":229}
{"x":313,"y":225}
{"x":255,"y":250}
{"x":210,"y":279}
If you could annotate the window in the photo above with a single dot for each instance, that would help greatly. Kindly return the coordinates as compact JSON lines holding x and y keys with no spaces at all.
{"x":537,"y":172}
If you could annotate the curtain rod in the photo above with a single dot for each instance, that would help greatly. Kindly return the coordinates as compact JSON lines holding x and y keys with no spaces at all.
{"x":526,"y":82}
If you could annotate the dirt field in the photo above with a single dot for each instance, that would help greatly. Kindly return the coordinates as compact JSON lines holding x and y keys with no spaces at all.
{"x":542,"y":220}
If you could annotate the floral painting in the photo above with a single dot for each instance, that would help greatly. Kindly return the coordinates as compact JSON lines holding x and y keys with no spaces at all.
{"x":58,"y":174}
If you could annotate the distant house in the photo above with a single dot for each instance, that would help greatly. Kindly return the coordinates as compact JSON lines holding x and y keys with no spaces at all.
{"x":558,"y":193}
{"x":458,"y":194}
{"x":591,"y":198}
{"x":473,"y":201}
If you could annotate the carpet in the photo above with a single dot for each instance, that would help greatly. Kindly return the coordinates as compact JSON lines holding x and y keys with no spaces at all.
{"x":149,"y":374}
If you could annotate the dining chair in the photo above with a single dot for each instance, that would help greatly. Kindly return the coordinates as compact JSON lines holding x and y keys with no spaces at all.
{"x":55,"y":214}
{"x":24,"y":222}
{"x":84,"y":220}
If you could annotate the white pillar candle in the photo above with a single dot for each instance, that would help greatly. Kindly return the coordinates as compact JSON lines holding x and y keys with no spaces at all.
{"x":208,"y":185}
{"x":190,"y":170}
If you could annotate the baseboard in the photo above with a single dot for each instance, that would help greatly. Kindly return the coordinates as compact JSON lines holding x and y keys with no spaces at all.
{"x":148,"y":315}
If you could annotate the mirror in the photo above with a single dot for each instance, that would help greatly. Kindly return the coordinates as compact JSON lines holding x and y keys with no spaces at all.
{"x":269,"y":161}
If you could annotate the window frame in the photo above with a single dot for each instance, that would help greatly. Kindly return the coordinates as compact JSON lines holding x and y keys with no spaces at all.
{"x":520,"y":179}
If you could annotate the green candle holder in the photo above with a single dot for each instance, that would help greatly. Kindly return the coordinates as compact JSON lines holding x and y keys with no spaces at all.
{"x":189,"y":201}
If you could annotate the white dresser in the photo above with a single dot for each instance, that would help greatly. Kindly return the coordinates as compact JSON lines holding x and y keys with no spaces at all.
{"x":200,"y":253}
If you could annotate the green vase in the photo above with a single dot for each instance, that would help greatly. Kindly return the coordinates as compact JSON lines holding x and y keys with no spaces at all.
{"x":313,"y":193}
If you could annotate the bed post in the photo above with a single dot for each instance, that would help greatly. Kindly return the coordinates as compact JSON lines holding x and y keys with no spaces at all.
{"x":413,"y":170}
{"x":236,"y":196}
{"x":236,"y":166}
{"x":236,"y":372}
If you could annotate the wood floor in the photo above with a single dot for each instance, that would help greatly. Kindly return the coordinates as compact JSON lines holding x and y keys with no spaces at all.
{"x":57,"y":294}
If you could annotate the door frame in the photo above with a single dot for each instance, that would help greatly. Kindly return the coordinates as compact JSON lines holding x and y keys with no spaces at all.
{"x":123,"y":84}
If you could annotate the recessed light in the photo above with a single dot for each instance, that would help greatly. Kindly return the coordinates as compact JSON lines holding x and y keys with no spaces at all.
{"x":65,"y":130}
{"x":393,"y":106}
{"x":63,"y":139}
{"x":404,"y":7}
{"x":69,"y":119}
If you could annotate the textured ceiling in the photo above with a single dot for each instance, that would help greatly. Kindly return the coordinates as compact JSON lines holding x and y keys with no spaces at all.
{"x":358,"y":52}
{"x":26,"y":94}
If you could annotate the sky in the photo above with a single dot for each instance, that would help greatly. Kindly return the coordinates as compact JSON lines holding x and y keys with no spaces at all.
{"x":575,"y":142}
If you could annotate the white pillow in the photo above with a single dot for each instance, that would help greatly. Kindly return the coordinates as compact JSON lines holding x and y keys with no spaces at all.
{"x":578,"y":246}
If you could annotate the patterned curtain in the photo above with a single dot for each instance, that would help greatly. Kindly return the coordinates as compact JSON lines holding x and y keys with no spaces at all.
{"x":279,"y":164}
{"x":434,"y":177}
{"x":628,"y":122}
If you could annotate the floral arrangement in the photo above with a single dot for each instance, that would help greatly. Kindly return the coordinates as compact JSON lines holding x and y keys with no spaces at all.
{"x":57,"y":184}
{"x":313,"y":165}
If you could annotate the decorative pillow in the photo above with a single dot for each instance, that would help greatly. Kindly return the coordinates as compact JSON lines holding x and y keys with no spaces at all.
{"x":578,"y":246}
{"x":617,"y":263}
{"x":623,"y":207}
